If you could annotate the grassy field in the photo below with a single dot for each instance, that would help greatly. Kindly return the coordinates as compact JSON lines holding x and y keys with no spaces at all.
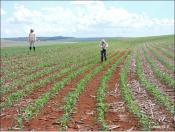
{"x":65,"y":86}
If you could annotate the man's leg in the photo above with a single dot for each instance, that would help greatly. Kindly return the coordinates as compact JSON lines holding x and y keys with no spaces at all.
{"x":105,"y":54}
{"x":101,"y":52}
{"x":33,"y":46}
{"x":30,"y":46}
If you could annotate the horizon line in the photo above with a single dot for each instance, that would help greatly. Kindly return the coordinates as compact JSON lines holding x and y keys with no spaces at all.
{"x":94,"y":37}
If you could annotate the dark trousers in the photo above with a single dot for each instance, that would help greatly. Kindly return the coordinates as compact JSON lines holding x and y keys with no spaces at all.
{"x":103,"y":55}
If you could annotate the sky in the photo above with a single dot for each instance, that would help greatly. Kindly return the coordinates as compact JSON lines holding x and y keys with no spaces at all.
{"x":87,"y":18}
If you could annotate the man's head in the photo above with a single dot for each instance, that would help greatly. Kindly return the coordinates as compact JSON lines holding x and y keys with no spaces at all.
{"x":102,"y":41}
{"x":31,"y":30}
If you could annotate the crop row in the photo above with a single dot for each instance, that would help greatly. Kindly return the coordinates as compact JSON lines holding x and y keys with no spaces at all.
{"x":29,"y":78}
{"x":25,"y":79}
{"x":127,"y":96}
{"x":17,"y":96}
{"x":101,"y":105}
{"x":163,"y":76}
{"x":166,"y":52}
{"x":152,"y":89}
{"x":15,"y":73}
{"x":13,"y":70}
{"x":39,"y":60}
{"x":43,"y":66}
{"x":72,"y":97}
{"x":166,"y":49}
{"x":34,"y":107}
{"x":162,"y":60}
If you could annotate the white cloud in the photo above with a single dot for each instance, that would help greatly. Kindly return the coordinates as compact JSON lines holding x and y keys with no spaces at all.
{"x":3,"y":12}
{"x":23,"y":14}
{"x":95,"y":12}
{"x":85,"y":17}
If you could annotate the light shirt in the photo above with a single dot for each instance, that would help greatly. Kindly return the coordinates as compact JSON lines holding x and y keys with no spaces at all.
{"x":103,"y":45}
{"x":31,"y":37}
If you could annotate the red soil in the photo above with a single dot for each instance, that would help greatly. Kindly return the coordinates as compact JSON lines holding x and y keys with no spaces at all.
{"x":32,"y":81}
{"x":8,"y":116}
{"x":118,"y":117}
{"x":84,"y":117}
{"x":12,"y":112}
{"x":47,"y":119}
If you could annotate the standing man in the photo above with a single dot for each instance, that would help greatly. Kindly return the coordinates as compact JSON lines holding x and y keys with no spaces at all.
{"x":32,"y":39}
{"x":103,"y":46}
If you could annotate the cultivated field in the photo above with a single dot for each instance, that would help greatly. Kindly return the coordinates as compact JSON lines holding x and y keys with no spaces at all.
{"x":66,"y":87}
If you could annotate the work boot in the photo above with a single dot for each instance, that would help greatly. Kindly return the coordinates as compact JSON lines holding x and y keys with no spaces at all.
{"x":30,"y":48}
{"x":34,"y":48}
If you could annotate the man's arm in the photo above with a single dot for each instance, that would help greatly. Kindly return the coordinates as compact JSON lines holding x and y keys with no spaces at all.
{"x":106,"y":44}
{"x":34,"y":37}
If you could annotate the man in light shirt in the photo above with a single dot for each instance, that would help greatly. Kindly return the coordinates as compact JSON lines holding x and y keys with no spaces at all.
{"x":103,"y":47}
{"x":32,"y":39}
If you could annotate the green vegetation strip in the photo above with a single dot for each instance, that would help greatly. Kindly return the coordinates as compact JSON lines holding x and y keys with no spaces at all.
{"x":15,"y":70}
{"x":33,"y":61}
{"x":17,"y":96}
{"x":28,"y":78}
{"x":34,"y":107}
{"x":127,"y":96}
{"x":166,"y":52}
{"x":28,"y":71}
{"x":152,"y":89}
{"x":162,"y":60}
{"x":101,"y":105}
{"x":161,"y":75}
{"x":22,"y":82}
{"x":73,"y":96}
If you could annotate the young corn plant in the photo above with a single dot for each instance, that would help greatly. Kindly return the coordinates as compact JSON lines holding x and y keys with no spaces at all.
{"x":17,"y":96}
{"x":167,"y":53}
{"x":127,"y":96}
{"x":20,"y":119}
{"x":161,"y":75}
{"x":101,"y":95}
{"x":34,"y":107}
{"x":152,"y":89}
{"x":162,"y":60}
{"x":29,"y":78}
{"x":38,"y":74}
{"x":73,"y":96}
